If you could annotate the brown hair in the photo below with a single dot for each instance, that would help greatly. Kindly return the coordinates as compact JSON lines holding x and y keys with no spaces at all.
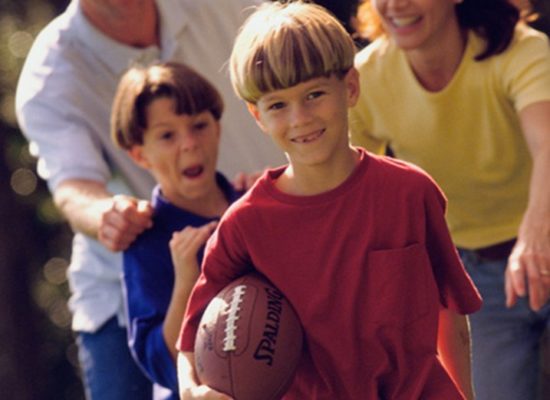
{"x":493,"y":20}
{"x":139,"y":86}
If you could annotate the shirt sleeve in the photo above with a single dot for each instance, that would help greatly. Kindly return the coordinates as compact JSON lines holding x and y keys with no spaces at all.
{"x":359,"y":117}
{"x":456,"y":289}
{"x":225,"y":259}
{"x":525,"y":69}
{"x":53,"y":111}
{"x":147,"y":295}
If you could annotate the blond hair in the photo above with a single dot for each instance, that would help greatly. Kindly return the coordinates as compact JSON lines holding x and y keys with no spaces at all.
{"x":281,"y":45}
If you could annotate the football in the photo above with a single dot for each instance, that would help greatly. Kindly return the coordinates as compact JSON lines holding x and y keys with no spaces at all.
{"x":249,"y":341}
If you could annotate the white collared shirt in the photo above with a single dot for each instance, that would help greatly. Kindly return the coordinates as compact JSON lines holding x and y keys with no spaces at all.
{"x":63,"y":106}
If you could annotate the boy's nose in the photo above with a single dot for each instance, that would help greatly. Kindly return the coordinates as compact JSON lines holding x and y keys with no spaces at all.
{"x":300,"y":115}
{"x":188,"y":142}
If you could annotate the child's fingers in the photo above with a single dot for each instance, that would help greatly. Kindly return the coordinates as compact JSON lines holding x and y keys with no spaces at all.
{"x":191,"y":238}
{"x":239,"y":182}
{"x":201,"y":235}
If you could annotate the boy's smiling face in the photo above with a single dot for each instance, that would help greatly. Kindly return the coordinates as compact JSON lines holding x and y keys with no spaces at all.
{"x":308,"y":121}
{"x":180,"y":151}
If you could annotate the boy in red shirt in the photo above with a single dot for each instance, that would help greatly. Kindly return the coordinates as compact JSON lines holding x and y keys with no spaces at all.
{"x":357,"y":243}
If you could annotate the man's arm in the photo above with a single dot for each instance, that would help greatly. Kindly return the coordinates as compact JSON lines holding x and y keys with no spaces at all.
{"x":89,"y":208}
{"x":453,"y":344}
{"x":528,"y":269}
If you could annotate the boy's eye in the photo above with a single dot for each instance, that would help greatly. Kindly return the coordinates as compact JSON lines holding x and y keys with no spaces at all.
{"x":167,"y":135}
{"x":315,"y":94}
{"x":201,"y":125}
{"x":276,"y":106}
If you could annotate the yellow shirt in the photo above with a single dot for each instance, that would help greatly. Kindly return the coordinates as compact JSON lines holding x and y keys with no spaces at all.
{"x":467,"y":136}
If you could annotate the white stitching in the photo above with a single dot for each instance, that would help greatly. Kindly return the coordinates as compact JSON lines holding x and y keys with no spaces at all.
{"x":232,"y":316}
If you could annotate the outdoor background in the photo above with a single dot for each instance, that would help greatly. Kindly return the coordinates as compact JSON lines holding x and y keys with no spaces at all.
{"x":37,"y":352}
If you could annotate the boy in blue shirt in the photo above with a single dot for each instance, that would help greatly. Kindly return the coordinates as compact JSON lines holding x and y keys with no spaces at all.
{"x":167,"y":117}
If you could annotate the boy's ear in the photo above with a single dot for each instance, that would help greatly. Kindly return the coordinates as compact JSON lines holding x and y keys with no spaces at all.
{"x":253,"y":110}
{"x":353,"y":86}
{"x":136,"y":154}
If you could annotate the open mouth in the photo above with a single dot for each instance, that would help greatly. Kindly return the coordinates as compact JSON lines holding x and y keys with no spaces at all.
{"x":405,"y":21}
{"x":193,"y":172}
{"x":309,"y":138}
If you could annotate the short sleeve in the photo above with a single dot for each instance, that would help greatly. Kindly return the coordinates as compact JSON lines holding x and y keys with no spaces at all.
{"x":526,"y":68}
{"x":456,"y":289}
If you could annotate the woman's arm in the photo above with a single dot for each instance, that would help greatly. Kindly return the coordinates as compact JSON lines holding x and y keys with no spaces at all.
{"x":528,"y":269}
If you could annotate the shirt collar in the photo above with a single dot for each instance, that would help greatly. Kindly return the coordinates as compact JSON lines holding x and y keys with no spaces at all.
{"x":173,"y":21}
{"x":115,"y":55}
{"x":163,"y":207}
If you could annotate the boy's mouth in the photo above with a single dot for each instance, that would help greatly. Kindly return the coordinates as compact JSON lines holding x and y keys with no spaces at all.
{"x":193,"y":171}
{"x":309,"y":137}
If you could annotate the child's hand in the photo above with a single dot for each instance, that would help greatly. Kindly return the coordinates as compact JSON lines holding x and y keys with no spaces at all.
{"x":189,"y":387}
{"x":184,"y":247}
{"x":202,"y":392}
{"x":125,"y":218}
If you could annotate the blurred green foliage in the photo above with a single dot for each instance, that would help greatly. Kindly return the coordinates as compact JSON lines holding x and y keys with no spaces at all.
{"x":37,"y":350}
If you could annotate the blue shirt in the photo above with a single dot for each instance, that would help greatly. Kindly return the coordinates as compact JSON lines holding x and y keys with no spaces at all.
{"x":148,"y":283}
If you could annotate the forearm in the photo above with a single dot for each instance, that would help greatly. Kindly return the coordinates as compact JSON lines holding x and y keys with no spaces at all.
{"x":454,"y":349}
{"x":538,"y":207}
{"x":528,"y":270}
{"x":174,"y":316}
{"x":535,"y":120}
{"x":83,"y":202}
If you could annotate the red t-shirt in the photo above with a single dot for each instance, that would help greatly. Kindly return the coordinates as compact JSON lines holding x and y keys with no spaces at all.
{"x":366,"y":266}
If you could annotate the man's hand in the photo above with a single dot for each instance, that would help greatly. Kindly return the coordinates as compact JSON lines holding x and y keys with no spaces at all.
{"x":115,"y":220}
{"x":123,"y":221}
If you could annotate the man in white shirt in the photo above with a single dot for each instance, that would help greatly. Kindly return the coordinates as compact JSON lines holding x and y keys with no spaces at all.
{"x":63,"y":105}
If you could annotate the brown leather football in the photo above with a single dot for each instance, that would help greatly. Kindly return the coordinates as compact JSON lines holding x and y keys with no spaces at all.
{"x":249,"y":341}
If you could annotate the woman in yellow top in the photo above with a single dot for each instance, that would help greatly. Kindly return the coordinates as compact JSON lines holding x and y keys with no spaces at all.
{"x":462,"y":88}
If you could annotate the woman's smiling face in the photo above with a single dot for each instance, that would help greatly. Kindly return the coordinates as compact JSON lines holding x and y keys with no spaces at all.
{"x":417,"y":24}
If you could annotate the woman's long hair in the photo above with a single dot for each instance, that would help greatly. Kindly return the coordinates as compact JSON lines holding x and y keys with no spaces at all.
{"x":493,"y":20}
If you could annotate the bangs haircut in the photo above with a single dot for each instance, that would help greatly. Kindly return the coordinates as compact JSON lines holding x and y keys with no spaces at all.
{"x":139,"y":87}
{"x":282,"y":45}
